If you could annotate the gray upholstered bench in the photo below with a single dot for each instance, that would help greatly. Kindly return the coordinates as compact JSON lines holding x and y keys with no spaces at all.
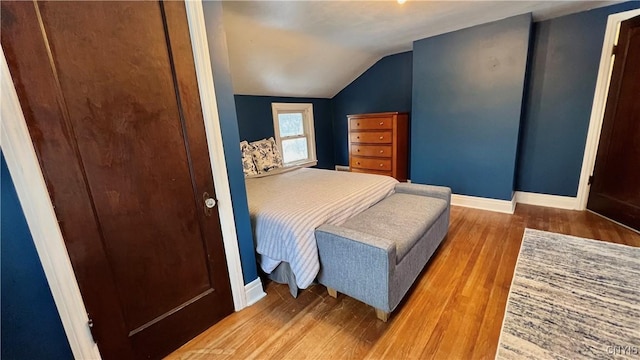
{"x":377,"y":255}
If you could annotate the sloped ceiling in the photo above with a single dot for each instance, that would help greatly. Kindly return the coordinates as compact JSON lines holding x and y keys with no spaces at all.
{"x":316,"y":48}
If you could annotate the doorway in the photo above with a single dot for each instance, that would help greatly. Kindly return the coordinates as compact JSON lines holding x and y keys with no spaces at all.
{"x":615,"y":189}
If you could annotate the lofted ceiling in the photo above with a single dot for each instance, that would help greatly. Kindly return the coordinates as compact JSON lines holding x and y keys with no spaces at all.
{"x":316,"y":48}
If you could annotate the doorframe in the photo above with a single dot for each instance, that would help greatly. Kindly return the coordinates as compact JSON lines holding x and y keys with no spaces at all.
{"x":36,"y":204}
{"x":599,"y":103}
{"x":28,"y":180}
{"x":209,"y":104}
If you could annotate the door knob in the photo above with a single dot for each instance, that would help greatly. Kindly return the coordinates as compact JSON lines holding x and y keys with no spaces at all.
{"x":209,"y":203}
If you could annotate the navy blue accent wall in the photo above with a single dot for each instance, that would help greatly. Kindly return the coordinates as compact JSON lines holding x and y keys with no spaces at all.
{"x":229,"y":125}
{"x":255,"y":122}
{"x":564,"y":70}
{"x":467,"y":99}
{"x":386,"y":86}
{"x":31,"y":327}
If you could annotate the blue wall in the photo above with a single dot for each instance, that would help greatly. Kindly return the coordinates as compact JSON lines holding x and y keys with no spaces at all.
{"x":469,"y":145}
{"x":255,"y":122}
{"x":564,"y":69}
{"x":31,"y":327}
{"x":386,"y":86}
{"x":467,"y":98}
{"x":229,"y":125}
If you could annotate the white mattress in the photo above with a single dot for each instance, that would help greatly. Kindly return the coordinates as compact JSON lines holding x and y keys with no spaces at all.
{"x":287,"y":207}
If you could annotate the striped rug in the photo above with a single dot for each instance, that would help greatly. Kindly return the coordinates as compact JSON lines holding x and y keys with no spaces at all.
{"x":572,"y":298}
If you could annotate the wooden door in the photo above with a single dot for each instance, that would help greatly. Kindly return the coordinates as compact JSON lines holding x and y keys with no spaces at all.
{"x":109,"y":93}
{"x":615,"y":188}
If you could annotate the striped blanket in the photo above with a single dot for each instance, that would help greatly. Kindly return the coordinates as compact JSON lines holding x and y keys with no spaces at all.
{"x":287,"y":207}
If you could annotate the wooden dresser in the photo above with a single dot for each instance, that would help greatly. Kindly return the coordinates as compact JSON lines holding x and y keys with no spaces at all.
{"x":378,"y":143}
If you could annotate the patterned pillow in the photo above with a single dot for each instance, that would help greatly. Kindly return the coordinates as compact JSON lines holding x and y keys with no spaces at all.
{"x":276,"y":153}
{"x":266,"y":155}
{"x":248,"y":166}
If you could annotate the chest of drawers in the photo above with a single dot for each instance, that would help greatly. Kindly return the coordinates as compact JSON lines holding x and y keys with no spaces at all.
{"x":378,"y":143}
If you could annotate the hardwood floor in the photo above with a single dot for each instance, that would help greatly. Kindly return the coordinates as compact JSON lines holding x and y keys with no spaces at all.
{"x":453,"y":311}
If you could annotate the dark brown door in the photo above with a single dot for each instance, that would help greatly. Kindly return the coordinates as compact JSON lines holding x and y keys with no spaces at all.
{"x":110,"y":97}
{"x":615,"y":190}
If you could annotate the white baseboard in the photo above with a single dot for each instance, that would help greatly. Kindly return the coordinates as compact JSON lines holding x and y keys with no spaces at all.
{"x":554,"y":201}
{"x":254,"y":291}
{"x":503,"y":206}
{"x":342,"y":168}
{"x":506,"y":206}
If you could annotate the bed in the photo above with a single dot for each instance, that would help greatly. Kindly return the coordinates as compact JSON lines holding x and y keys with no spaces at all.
{"x":286,"y":207}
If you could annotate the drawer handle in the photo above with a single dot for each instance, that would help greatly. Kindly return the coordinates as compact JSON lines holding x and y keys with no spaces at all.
{"x":381,"y":137}
{"x":358,"y":137}
{"x":381,"y":151}
{"x":381,"y":123}
{"x":357,"y":124}
{"x":381,"y":165}
{"x":358,"y":150}
{"x":357,"y":162}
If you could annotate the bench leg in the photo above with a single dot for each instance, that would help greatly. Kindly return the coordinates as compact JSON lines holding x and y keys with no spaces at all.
{"x":332,"y":292}
{"x":382,"y":315}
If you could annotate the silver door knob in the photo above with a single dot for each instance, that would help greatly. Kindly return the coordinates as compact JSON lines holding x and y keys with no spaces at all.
{"x":209,"y":203}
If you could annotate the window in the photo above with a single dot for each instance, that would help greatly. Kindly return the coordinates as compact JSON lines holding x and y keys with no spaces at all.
{"x":293,"y":125}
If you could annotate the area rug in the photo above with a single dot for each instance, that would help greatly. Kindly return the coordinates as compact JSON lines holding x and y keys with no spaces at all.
{"x":572,"y":298}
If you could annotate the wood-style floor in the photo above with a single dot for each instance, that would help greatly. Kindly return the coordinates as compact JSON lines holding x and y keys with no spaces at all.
{"x":454,"y":310}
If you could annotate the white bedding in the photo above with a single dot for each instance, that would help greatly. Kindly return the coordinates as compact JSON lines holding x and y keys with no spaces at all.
{"x":286,"y":209}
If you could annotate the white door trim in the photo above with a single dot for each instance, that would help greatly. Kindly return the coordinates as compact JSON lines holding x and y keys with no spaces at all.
{"x":34,"y":198}
{"x":38,"y":210}
{"x":200,"y":48}
{"x":599,"y":103}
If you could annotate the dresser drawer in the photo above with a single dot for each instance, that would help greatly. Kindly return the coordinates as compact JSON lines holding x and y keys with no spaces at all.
{"x":383,"y":151}
{"x":387,"y":173}
{"x":371,"y":123}
{"x":371,"y":164}
{"x":373,"y":137}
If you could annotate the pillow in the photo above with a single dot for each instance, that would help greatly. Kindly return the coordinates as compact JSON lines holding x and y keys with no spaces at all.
{"x":276,"y":153}
{"x":273,"y":172}
{"x":266,"y":155}
{"x":248,"y":166}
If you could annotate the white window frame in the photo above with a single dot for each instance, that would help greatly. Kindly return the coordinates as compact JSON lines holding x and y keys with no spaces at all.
{"x":307,"y":119}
